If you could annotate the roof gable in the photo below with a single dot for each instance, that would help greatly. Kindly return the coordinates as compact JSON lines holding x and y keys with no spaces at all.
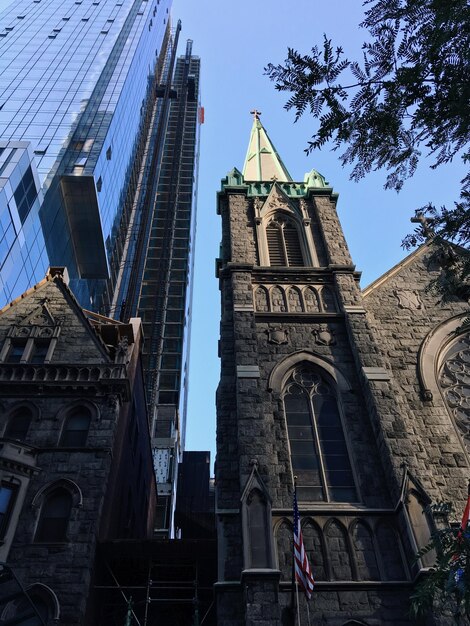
{"x":51,"y":305}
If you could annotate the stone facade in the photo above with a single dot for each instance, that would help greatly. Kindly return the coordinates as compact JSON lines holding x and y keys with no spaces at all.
{"x":83,"y":461}
{"x":396,"y":443}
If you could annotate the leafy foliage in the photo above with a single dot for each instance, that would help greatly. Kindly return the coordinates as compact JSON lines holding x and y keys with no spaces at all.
{"x":409,"y":95}
{"x":447,"y":584}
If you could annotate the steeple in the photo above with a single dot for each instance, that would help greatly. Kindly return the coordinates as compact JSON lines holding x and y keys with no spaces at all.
{"x":262,"y":161}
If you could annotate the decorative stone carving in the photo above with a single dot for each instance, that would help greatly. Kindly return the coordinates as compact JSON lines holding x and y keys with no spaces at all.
{"x":41,"y":316}
{"x":113,"y":403}
{"x":324,"y":336}
{"x":121,"y":350}
{"x":311,"y":300}
{"x":408,"y":299}
{"x":278,"y":303}
{"x":294,"y":300}
{"x":277,"y":335}
{"x":276,"y":199}
{"x":261,"y":299}
{"x":455,"y":382}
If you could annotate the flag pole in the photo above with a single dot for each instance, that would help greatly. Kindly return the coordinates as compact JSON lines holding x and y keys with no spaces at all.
{"x":298,"y":603}
{"x":294,"y":577}
{"x":308,"y":614}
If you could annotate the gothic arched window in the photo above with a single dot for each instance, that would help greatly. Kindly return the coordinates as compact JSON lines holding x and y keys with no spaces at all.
{"x":454,"y":380}
{"x":54,"y":517}
{"x":18,"y":424}
{"x":284,"y":246}
{"x":318,"y":449}
{"x":76,"y":426}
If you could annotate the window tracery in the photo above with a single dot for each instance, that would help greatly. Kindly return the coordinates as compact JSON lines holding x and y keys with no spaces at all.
{"x":454,"y":380}
{"x":319,"y":454}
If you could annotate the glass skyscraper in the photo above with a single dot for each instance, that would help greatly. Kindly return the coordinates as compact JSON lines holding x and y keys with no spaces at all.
{"x":99,"y":137}
{"x":76,"y":81}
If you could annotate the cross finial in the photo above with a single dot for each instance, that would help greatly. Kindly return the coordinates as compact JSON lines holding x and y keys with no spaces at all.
{"x":420,"y":218}
{"x":256,"y":114}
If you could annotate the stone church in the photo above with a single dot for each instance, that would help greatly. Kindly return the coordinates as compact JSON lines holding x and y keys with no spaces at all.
{"x":75,"y":458}
{"x":363,"y":395}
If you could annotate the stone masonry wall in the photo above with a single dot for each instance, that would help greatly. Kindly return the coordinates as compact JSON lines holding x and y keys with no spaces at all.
{"x":402,"y":310}
{"x":372,"y":344}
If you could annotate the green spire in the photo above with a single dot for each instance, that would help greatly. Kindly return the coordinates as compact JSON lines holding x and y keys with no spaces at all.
{"x":262,"y":162}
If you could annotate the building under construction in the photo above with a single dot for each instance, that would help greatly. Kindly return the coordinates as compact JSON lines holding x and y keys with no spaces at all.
{"x":156,"y":282}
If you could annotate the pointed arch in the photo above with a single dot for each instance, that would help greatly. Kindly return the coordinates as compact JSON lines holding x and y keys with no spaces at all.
{"x":283,"y":231}
{"x":453,"y":376}
{"x":257,"y":531}
{"x":276,"y":248}
{"x":54,"y":517}
{"x":364,"y":551}
{"x":338,"y":551}
{"x":76,"y":424}
{"x":281,"y":370}
{"x":317,"y":444}
{"x":430,"y":354}
{"x":48,"y":596}
{"x":45,"y":602}
{"x":284,"y":538}
{"x":294,"y":300}
{"x":65,"y":483}
{"x":328,"y":300}
{"x":19,"y":422}
{"x":315,"y":548}
{"x":278,"y":299}
{"x":311,"y":300}
{"x":261,"y":299}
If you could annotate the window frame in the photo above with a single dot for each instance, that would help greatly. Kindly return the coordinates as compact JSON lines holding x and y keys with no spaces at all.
{"x":324,"y":485}
{"x":69,"y":415}
{"x":13,"y":414}
{"x":279,"y":221}
{"x":41,"y":519}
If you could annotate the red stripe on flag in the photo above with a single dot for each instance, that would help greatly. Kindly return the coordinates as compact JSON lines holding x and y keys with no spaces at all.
{"x":303,"y":573}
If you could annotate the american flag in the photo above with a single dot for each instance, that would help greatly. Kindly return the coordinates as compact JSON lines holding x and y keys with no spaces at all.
{"x":303,"y":573}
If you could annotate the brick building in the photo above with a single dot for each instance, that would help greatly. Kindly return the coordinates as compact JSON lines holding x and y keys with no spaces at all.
{"x":363,"y":395}
{"x":75,"y":457}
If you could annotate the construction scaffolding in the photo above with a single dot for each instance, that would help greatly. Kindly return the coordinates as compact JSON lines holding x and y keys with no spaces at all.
{"x":151,"y":583}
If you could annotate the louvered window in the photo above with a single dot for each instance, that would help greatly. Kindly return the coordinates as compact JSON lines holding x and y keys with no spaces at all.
{"x":275,"y":245}
{"x":292,"y":243}
{"x":283,"y":244}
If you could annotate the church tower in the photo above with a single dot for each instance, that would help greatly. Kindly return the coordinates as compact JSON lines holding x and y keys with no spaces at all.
{"x":331,"y":385}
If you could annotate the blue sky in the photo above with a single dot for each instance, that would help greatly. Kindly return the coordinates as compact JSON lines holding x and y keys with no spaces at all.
{"x":235,"y":42}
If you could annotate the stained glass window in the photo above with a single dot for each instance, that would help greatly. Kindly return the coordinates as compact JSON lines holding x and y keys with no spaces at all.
{"x":319,"y":454}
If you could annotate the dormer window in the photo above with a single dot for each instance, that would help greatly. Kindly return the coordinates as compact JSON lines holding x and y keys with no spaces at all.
{"x":283,"y":240}
{"x":16,"y":351}
{"x":29,"y":344}
{"x":39,"y":351}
